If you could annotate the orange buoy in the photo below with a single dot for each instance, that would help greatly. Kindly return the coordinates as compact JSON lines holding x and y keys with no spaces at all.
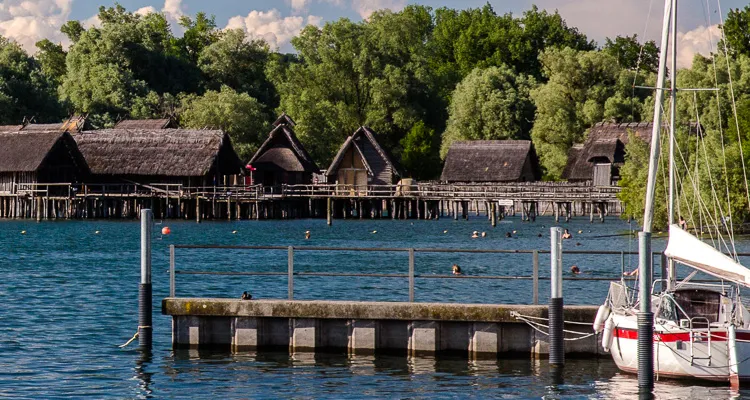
{"x":166,"y":230}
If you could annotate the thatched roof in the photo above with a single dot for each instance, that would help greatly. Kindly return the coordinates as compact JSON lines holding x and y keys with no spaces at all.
{"x":74,"y":124}
{"x":162,"y":123}
{"x":284,"y":120}
{"x":283,"y":151}
{"x":490,"y":161}
{"x":363,"y":133}
{"x":605,"y":143}
{"x":160,"y":152}
{"x":10,"y":128}
{"x":26,"y":151}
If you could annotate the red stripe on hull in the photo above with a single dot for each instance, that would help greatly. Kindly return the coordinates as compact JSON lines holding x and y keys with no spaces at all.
{"x":683,"y":336}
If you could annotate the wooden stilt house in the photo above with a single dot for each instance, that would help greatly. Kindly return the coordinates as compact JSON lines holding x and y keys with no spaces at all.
{"x":282,"y":159}
{"x":31,"y":158}
{"x":362,"y":162}
{"x":161,"y":156}
{"x":598,"y":160}
{"x":491,"y":161}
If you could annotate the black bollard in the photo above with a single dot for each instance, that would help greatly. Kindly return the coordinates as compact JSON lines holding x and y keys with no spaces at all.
{"x":145,"y":330}
{"x":556,"y":321}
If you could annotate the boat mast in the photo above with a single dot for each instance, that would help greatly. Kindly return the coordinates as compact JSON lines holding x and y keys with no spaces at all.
{"x":645,"y":315}
{"x":655,"y":133}
{"x":672,"y":112}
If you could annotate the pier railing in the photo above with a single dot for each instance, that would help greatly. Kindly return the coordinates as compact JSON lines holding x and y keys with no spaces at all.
{"x":533,"y":191}
{"x":411,"y":275}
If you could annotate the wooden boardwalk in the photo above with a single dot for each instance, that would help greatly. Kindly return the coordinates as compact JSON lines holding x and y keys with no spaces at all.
{"x":419,"y":200}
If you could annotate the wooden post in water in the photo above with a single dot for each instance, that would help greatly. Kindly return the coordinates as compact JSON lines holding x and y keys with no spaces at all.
{"x":329,"y":210}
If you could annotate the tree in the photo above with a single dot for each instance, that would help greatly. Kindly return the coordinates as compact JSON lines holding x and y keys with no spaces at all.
{"x":572,"y":100}
{"x":490,"y":104}
{"x":737,"y":32}
{"x":419,"y":156}
{"x":372,"y":73}
{"x":632,"y":55}
{"x":24,"y":89}
{"x":51,"y":59}
{"x":237,"y":114}
{"x":238,"y":62}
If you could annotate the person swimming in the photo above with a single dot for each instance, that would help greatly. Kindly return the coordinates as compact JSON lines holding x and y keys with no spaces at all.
{"x":475,"y":235}
{"x":566,"y":235}
{"x":307,"y":235}
{"x":575,"y":270}
{"x":246,"y":296}
{"x":456,"y":269}
{"x":484,"y":234}
{"x":508,"y":234}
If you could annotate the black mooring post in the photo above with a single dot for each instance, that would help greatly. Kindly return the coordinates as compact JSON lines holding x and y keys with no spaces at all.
{"x":645,"y":318}
{"x":145,"y":330}
{"x":556,"y":342}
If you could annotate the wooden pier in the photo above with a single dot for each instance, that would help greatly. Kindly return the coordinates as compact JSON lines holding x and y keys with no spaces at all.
{"x":331,"y":201}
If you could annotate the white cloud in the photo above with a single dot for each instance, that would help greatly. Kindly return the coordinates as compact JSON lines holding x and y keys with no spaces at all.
{"x":27,"y":21}
{"x":271,"y":26}
{"x":173,"y":9}
{"x":298,"y":5}
{"x":701,"y":40}
{"x":146,"y":10}
{"x":366,"y":7}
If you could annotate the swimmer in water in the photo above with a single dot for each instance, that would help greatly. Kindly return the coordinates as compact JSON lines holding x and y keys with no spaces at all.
{"x":475,"y":235}
{"x":456,"y":269}
{"x":567,"y":235}
{"x":307,"y":235}
{"x":575,"y":270}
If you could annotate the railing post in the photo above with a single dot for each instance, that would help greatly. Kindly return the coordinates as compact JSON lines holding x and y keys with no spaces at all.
{"x":171,"y":271}
{"x":411,"y":275}
{"x":290,"y":271}
{"x":535,"y":277}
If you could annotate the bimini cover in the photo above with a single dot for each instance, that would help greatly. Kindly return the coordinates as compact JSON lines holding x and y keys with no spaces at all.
{"x":689,"y":250}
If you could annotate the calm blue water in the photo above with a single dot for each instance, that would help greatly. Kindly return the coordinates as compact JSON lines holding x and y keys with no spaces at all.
{"x":69,"y":297}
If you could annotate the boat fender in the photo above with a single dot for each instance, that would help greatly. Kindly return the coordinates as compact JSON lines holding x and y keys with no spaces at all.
{"x":608,"y":334}
{"x":601,"y":318}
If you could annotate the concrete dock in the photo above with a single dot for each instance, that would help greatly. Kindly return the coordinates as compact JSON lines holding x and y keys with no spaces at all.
{"x":473,"y":330}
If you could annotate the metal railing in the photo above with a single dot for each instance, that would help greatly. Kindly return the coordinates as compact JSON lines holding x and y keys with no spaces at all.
{"x":412,"y":276}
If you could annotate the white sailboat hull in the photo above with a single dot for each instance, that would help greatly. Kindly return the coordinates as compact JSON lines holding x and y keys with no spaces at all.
{"x":673,"y":357}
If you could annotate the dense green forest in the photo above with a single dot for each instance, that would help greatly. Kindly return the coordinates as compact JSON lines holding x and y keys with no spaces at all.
{"x":421,"y":78}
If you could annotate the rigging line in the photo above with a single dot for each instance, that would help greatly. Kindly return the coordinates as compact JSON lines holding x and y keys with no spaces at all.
{"x":707,"y":17}
{"x":695,"y":180}
{"x":699,"y":201}
{"x":733,"y":250}
{"x":734,"y":105}
{"x":640,"y":58}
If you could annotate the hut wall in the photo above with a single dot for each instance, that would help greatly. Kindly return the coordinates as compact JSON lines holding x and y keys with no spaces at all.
{"x":7,"y":182}
{"x":527,"y":174}
{"x":381,"y":170}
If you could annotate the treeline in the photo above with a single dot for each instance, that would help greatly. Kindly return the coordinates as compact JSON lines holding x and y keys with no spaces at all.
{"x":421,"y":78}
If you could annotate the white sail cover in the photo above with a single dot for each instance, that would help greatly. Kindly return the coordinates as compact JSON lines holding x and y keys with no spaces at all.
{"x":689,"y":250}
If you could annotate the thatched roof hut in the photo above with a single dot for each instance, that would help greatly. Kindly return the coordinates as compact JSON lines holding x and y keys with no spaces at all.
{"x":361,"y":161}
{"x":147,"y":124}
{"x":39,"y":157}
{"x":74,"y":124}
{"x":190,"y":157}
{"x":598,"y":159}
{"x":282,"y":158}
{"x":485,"y":161}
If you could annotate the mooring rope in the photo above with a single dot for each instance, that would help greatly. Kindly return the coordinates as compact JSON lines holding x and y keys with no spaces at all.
{"x":137,"y":332}
{"x":534,"y":325}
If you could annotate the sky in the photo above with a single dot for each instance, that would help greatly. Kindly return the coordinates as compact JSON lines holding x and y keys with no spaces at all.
{"x":277,"y":21}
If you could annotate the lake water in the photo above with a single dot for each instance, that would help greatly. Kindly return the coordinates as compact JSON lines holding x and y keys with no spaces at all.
{"x":69,"y":298}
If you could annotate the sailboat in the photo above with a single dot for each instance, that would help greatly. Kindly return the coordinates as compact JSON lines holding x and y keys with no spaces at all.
{"x":700,"y":330}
